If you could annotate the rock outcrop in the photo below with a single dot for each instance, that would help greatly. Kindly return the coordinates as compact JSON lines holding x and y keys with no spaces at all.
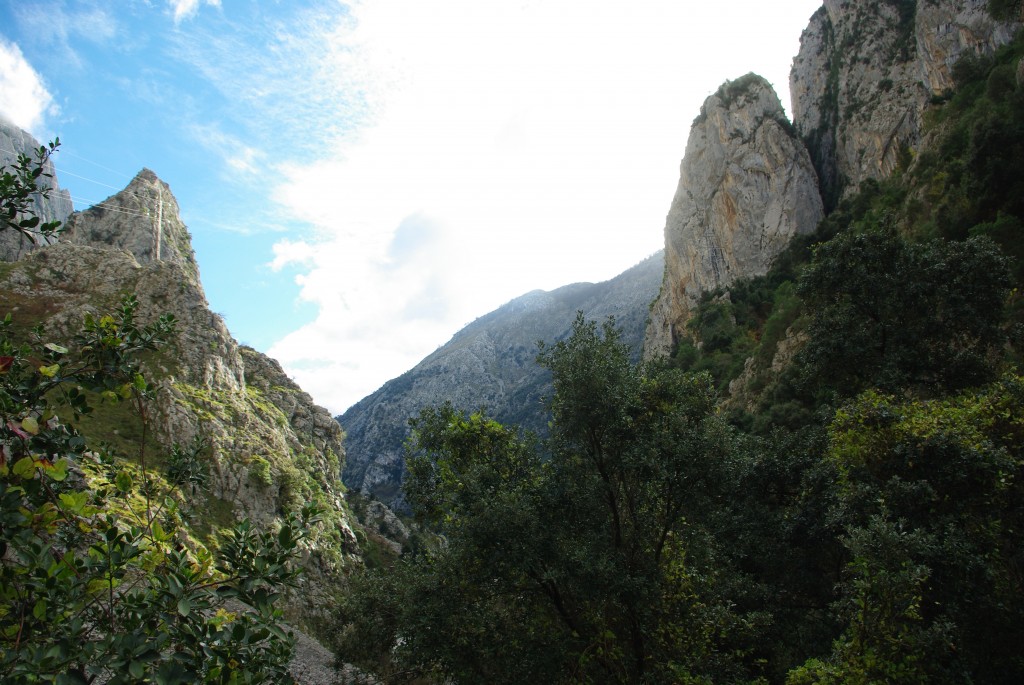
{"x":865,"y":73}
{"x":746,"y":187}
{"x":490,"y":363}
{"x":56,"y":206}
{"x":271,"y":448}
{"x":142,"y":219}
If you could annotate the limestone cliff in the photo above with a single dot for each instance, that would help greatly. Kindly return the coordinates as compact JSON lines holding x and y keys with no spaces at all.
{"x":746,"y":187}
{"x":142,"y":219}
{"x":489,"y":363}
{"x":867,"y":70}
{"x":271,"y":448}
{"x":55,"y":207}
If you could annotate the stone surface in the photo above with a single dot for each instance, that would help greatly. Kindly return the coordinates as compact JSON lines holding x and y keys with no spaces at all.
{"x":142,"y":219}
{"x":867,"y":70}
{"x":490,"y":363}
{"x":746,"y":187}
{"x":55,"y":207}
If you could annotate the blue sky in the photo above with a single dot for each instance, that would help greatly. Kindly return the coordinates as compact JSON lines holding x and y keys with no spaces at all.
{"x":363,"y":179}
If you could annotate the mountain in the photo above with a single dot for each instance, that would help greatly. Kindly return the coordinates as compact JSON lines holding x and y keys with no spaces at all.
{"x":489,"y":363}
{"x":750,"y":181}
{"x":867,"y":71}
{"x":270,"y":448}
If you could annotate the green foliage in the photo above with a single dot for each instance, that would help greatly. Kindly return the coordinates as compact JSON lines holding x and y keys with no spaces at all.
{"x":1005,"y":10}
{"x":930,"y":498}
{"x":87,"y":591}
{"x":895,"y":315}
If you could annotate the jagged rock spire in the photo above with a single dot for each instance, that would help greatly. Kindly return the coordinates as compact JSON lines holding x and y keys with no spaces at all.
{"x":746,"y":187}
{"x":142,"y":219}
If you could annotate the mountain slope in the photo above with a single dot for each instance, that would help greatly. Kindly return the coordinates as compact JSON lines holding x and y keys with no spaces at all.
{"x":488,"y":363}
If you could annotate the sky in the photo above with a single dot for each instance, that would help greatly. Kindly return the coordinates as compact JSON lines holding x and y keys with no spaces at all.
{"x":363,"y":179}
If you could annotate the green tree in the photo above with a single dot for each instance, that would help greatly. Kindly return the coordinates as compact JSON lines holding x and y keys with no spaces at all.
{"x":20,"y":186}
{"x":895,"y":315}
{"x":587,"y":565}
{"x":930,"y":499}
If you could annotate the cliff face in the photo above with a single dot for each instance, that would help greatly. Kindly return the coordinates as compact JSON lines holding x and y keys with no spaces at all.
{"x":55,"y":207}
{"x":865,"y":74}
{"x":490,"y":363}
{"x":271,"y":448}
{"x":142,"y":219}
{"x":746,"y":187}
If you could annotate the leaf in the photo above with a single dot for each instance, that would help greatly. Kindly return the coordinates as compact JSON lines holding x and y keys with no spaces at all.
{"x":50,"y":371}
{"x":58,"y":471}
{"x":30,"y":424}
{"x":24,"y":467}
{"x":123,"y":481}
{"x":54,"y":347}
{"x":184,"y":606}
{"x":5,"y":364}
{"x":74,"y":502}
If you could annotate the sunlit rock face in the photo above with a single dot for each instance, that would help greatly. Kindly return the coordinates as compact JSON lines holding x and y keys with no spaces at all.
{"x":142,"y":219}
{"x":55,"y":207}
{"x":866,"y":72}
{"x":746,"y":187}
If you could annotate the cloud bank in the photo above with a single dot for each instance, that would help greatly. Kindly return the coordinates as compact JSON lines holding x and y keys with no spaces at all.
{"x":24,"y":98}
{"x":510,"y":146}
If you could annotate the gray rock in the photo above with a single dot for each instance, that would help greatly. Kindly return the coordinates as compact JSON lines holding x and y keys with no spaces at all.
{"x":142,"y":219}
{"x":746,"y":187}
{"x":866,"y":72}
{"x":271,"y":447}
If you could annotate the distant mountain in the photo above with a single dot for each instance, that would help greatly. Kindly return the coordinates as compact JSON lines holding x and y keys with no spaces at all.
{"x":490,"y":363}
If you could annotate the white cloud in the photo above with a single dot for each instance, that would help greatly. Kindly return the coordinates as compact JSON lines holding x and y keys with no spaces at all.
{"x":183,"y":9}
{"x":24,"y":98}
{"x":238,"y":157}
{"x":540,"y":138}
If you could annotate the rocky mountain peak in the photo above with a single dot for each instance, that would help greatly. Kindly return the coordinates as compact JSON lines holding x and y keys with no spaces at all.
{"x":142,"y":219}
{"x":746,"y":187}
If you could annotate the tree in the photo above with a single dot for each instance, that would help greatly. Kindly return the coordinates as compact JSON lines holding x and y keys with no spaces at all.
{"x":930,"y":500}
{"x":20,"y":186}
{"x":586,"y":565}
{"x":896,"y":315}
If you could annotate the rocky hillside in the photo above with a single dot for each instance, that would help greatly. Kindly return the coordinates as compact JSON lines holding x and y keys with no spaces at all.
{"x":271,"y":449}
{"x":866,"y":72}
{"x":490,"y":363}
